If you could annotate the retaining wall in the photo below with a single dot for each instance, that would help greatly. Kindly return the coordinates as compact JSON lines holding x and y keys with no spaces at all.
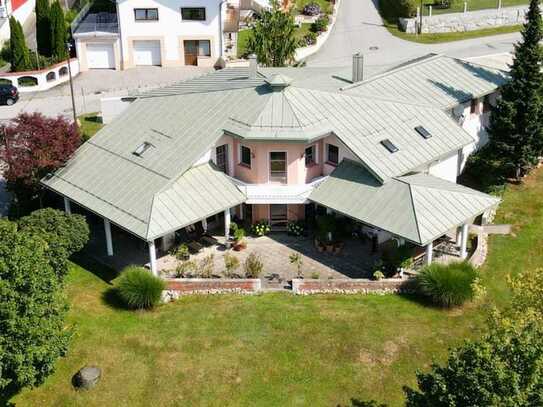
{"x":469,"y":21}
{"x":44,"y":78}
{"x":351,"y":286}
{"x":186,"y":286}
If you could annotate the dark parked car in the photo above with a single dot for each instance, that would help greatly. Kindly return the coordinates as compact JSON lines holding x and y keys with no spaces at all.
{"x":8,"y":94}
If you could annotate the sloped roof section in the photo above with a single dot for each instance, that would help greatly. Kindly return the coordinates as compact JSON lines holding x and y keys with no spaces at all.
{"x":438,"y":81}
{"x":419,"y":207}
{"x":199,"y":193}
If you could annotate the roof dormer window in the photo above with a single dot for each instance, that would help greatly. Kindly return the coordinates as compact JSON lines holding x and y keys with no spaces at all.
{"x":423,"y":132}
{"x":386,"y":143}
{"x":142,"y":149}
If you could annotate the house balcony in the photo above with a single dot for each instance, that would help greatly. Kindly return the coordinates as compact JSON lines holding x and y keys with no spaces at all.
{"x":278,"y":194}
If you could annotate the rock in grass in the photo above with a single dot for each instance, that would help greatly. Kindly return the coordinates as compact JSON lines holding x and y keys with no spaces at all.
{"x":87,"y":377}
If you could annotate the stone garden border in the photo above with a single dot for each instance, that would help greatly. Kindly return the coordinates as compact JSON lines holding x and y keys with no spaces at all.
{"x":177,"y":287}
{"x":352,"y":286}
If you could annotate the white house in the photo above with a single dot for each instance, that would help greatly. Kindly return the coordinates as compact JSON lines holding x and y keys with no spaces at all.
{"x":157,"y":32}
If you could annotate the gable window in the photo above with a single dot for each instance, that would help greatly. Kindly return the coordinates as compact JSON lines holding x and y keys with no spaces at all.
{"x":193,"y":13}
{"x":245,"y":156}
{"x":221,"y":154}
{"x":278,"y":166}
{"x":146,"y":14}
{"x":310,"y":156}
{"x":332,"y":154}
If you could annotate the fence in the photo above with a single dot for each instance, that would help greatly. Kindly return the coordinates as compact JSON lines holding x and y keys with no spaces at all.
{"x":43,"y":79}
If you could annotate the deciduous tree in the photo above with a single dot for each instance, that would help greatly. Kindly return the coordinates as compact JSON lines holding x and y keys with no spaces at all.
{"x":273,"y":38}
{"x":32,"y":146}
{"x":32,"y":311}
{"x":43,"y":27}
{"x":516,"y":123}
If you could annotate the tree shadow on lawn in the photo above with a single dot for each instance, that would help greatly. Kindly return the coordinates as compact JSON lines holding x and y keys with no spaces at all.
{"x":100,"y":270}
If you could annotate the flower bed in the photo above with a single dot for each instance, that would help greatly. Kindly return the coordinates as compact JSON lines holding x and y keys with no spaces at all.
{"x":178,"y":287}
{"x":351,"y":286}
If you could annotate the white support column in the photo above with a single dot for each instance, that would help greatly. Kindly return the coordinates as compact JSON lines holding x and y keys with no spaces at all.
{"x":204,"y":224}
{"x":458,"y":236}
{"x":226,"y":224}
{"x":109,"y":242}
{"x":152,"y":257}
{"x":464,"y":242}
{"x":67,"y":206}
{"x":429,"y":253}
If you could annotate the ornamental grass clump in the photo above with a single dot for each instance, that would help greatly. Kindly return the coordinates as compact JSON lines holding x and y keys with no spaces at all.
{"x":447,"y":285}
{"x":138,"y":288}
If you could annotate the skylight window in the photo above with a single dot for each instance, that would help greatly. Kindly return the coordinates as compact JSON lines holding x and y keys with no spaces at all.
{"x":142,"y":149}
{"x":423,"y":132}
{"x":389,"y":145}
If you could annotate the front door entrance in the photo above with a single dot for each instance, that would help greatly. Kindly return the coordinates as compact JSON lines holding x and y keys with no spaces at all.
{"x":278,"y":215}
{"x":191,"y":52}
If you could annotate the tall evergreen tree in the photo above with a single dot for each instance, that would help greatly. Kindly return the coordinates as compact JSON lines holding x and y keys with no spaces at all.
{"x":58,"y":32}
{"x":43,"y":27}
{"x":20,"y":55}
{"x":516,"y":123}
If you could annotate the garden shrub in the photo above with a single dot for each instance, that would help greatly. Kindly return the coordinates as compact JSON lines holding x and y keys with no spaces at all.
{"x":447,"y":285}
{"x":295,"y":228}
{"x":181,"y":253}
{"x":326,"y":224}
{"x":260,"y":228}
{"x":186,"y":268}
{"x":231,"y":264}
{"x":311,"y":9}
{"x":253,"y":266}
{"x":207,"y":266}
{"x":391,"y":10}
{"x":320,"y":25}
{"x":138,"y":288}
{"x":309,"y":39}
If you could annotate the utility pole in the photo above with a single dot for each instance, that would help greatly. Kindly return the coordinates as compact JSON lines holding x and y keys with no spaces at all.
{"x":69,"y":48}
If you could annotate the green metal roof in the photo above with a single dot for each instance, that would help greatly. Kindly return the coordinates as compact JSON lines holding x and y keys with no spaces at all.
{"x":419,"y":208}
{"x":435,"y":80}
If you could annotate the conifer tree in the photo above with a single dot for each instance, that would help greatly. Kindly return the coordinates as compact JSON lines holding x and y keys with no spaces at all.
{"x":58,"y":32}
{"x":516,"y":127}
{"x":43,"y":27}
{"x":20,"y":55}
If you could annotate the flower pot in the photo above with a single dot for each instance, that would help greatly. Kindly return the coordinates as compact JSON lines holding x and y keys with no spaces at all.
{"x":320,"y":248}
{"x":329,"y":248}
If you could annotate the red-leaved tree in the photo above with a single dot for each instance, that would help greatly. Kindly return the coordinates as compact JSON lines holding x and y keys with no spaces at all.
{"x":31,"y":146}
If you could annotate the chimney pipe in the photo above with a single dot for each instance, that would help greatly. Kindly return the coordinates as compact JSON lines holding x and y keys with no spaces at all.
{"x":358,"y":67}
{"x":253,"y":65}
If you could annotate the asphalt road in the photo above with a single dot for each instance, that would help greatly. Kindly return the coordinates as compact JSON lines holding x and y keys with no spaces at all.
{"x":359,"y":28}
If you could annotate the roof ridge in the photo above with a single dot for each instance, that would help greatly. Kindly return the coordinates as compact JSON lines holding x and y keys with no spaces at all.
{"x":430,"y":57}
{"x":410,"y":189}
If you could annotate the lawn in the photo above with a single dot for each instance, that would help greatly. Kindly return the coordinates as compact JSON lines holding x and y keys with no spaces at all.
{"x":458,"y":6}
{"x":90,"y":123}
{"x":275,"y":349}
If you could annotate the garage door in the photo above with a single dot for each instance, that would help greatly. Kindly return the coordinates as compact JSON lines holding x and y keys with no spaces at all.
{"x":100,"y":56}
{"x":147,"y":53}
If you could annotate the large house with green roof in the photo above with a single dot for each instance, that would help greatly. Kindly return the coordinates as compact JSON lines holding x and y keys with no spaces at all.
{"x":275,"y":143}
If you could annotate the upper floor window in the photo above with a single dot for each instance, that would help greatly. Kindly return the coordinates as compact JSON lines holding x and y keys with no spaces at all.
{"x":310,"y":156}
{"x":221,"y":154}
{"x":278,"y":166}
{"x":146,"y":14}
{"x":245,"y":156}
{"x":193,"y":13}
{"x":332,"y":155}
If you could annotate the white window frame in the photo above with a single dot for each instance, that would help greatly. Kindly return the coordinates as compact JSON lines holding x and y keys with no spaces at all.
{"x":315,"y":155}
{"x":269,"y":164}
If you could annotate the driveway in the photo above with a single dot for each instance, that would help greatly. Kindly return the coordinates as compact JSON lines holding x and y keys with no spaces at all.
{"x":91,"y":86}
{"x":359,"y":28}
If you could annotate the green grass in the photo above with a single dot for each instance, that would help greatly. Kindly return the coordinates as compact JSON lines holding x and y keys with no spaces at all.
{"x":243,"y":37}
{"x":275,"y":349}
{"x":90,"y":123}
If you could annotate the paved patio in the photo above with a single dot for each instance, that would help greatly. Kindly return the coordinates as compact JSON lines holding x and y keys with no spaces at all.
{"x":355,"y":261}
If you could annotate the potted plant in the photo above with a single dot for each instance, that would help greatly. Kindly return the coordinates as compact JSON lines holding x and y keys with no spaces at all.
{"x":239,"y":239}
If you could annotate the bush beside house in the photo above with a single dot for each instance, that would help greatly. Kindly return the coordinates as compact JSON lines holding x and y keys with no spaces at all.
{"x":138,"y":288}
